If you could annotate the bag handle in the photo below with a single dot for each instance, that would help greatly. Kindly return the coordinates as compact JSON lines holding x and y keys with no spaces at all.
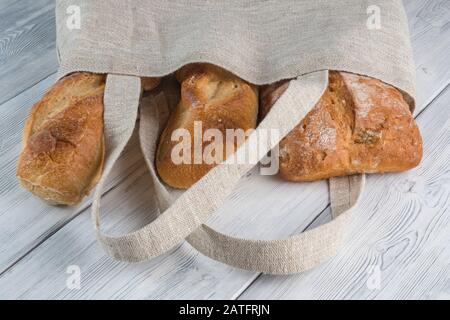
{"x":296,"y":254}
{"x":196,"y":205}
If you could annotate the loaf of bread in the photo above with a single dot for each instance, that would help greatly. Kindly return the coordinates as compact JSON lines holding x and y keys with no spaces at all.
{"x":360,"y":125}
{"x":63,"y":145}
{"x":212,"y":98}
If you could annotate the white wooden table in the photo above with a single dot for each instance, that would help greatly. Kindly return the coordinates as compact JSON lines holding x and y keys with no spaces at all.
{"x":400,"y":235}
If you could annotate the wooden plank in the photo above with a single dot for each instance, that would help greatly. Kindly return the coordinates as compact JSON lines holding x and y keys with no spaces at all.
{"x":24,"y":220}
{"x":401,"y":228}
{"x":27,"y":45}
{"x":420,"y":29}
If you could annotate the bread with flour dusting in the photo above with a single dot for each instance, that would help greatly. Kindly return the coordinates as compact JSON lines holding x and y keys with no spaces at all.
{"x":360,"y":125}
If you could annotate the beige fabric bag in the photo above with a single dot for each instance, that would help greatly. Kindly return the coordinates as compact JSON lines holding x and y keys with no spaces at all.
{"x":262,"y":42}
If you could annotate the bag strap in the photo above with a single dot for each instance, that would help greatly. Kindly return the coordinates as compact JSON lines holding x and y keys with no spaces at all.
{"x":295,"y":254}
{"x":188,"y":213}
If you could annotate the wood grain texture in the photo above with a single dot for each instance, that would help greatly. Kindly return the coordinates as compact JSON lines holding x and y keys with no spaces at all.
{"x":38,"y":242}
{"x":27,"y":45}
{"x":401,"y":226}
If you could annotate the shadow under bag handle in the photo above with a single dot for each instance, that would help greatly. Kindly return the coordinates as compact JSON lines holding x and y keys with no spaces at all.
{"x":185,"y":217}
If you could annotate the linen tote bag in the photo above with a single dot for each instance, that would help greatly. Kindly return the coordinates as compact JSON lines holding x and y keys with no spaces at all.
{"x":261,"y":42}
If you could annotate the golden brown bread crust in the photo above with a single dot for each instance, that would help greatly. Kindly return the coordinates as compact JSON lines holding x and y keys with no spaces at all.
{"x":150,"y":83}
{"x":63,"y":144}
{"x":360,"y":125}
{"x":217,"y":98}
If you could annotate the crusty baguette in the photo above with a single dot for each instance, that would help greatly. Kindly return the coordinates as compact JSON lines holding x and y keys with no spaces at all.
{"x":63,"y":143}
{"x":216,"y":98}
{"x":360,"y":125}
